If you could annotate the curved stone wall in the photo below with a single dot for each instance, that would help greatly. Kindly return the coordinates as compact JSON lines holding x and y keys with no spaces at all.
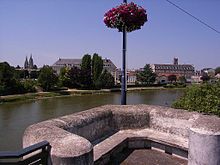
{"x":72,"y":137}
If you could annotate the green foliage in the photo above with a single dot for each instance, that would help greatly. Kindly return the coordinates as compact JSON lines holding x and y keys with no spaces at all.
{"x":97,"y":67}
{"x":203,"y":98}
{"x":8,"y":83}
{"x":106,"y":80}
{"x":70,"y":77}
{"x":175,"y":85}
{"x":74,"y":75}
{"x":29,"y":85}
{"x":182,"y":79}
{"x":47,"y":78}
{"x":86,"y":62}
{"x":64,"y":80}
{"x":86,"y":70}
{"x":6,"y":73}
{"x":146,"y":76}
{"x":34,"y":74}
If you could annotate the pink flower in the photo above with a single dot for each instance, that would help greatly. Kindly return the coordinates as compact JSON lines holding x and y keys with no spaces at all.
{"x":130,"y":16}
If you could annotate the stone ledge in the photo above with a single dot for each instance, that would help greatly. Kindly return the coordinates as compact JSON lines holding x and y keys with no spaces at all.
{"x":140,"y":139}
{"x":133,"y":126}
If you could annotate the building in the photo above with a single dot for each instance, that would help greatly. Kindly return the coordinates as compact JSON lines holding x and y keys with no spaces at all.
{"x":29,"y":64}
{"x":61,"y":62}
{"x":197,"y":77}
{"x":131,"y":77}
{"x":163,"y":71}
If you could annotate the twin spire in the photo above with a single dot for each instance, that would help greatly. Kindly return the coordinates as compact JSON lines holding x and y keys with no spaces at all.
{"x":29,"y":64}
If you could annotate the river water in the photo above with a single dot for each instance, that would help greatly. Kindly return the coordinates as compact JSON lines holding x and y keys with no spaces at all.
{"x":15,"y":117}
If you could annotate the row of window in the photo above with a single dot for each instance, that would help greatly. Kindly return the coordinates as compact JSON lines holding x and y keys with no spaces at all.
{"x":174,"y":71}
{"x":174,"y":68}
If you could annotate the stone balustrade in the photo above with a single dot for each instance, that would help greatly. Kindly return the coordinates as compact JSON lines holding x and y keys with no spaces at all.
{"x":96,"y":135}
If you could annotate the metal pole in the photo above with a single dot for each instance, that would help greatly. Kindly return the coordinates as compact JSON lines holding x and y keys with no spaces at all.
{"x":124,"y":73}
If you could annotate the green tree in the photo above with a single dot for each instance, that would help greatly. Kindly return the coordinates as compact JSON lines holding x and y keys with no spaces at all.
{"x":29,"y":85}
{"x":182,"y":79}
{"x":63,"y":77}
{"x":203,"y":98}
{"x":8,"y":83}
{"x":86,"y":78}
{"x":73,"y":76}
{"x":18,"y":74}
{"x":70,"y":77}
{"x":34,"y":74}
{"x":97,"y":67}
{"x":47,"y":78}
{"x":106,"y":80}
{"x":146,"y":76}
{"x":6,"y":73}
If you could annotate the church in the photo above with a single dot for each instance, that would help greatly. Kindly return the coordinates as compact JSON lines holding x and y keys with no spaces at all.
{"x":29,"y":64}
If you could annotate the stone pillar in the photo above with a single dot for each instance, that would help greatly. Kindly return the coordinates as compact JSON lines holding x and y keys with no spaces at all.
{"x":204,"y":147}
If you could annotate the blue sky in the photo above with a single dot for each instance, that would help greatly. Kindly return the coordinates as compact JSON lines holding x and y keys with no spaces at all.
{"x":52,"y":29}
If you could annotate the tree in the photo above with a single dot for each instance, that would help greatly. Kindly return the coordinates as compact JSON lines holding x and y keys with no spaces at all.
{"x":8,"y":83}
{"x":203,"y":98}
{"x":6,"y":73}
{"x":29,"y":85}
{"x":172,"y":78}
{"x":73,"y":75}
{"x":47,"y":78}
{"x":146,"y":76}
{"x":63,"y":77}
{"x":86,"y":79}
{"x":106,"y":80}
{"x":70,"y":77}
{"x":26,"y":74}
{"x":182,"y":79}
{"x":97,"y":67}
{"x":34,"y":74}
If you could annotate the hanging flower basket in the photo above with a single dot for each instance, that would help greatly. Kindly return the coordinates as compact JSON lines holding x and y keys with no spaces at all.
{"x":130,"y":16}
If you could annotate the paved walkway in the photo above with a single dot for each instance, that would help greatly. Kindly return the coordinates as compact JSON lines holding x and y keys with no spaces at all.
{"x":152,"y":157}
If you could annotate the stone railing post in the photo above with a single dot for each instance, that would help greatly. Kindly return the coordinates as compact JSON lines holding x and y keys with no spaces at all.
{"x":204,"y":147}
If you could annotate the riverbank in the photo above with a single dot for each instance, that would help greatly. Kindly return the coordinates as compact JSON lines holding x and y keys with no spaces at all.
{"x":69,"y":92}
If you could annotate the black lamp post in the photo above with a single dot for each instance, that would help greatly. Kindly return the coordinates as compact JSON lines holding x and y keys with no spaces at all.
{"x":124,"y":72}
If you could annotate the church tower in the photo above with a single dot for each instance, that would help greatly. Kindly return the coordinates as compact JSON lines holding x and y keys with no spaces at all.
{"x":175,"y":61}
{"x":26,"y":63}
{"x":31,"y":63}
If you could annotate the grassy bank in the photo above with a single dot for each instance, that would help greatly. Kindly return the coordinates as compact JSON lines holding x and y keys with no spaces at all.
{"x":29,"y":96}
{"x":69,"y":92}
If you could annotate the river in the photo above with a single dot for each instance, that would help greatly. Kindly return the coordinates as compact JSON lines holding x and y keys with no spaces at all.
{"x":15,"y":117}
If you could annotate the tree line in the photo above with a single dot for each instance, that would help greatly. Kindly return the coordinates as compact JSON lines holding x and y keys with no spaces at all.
{"x":90,"y":75}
